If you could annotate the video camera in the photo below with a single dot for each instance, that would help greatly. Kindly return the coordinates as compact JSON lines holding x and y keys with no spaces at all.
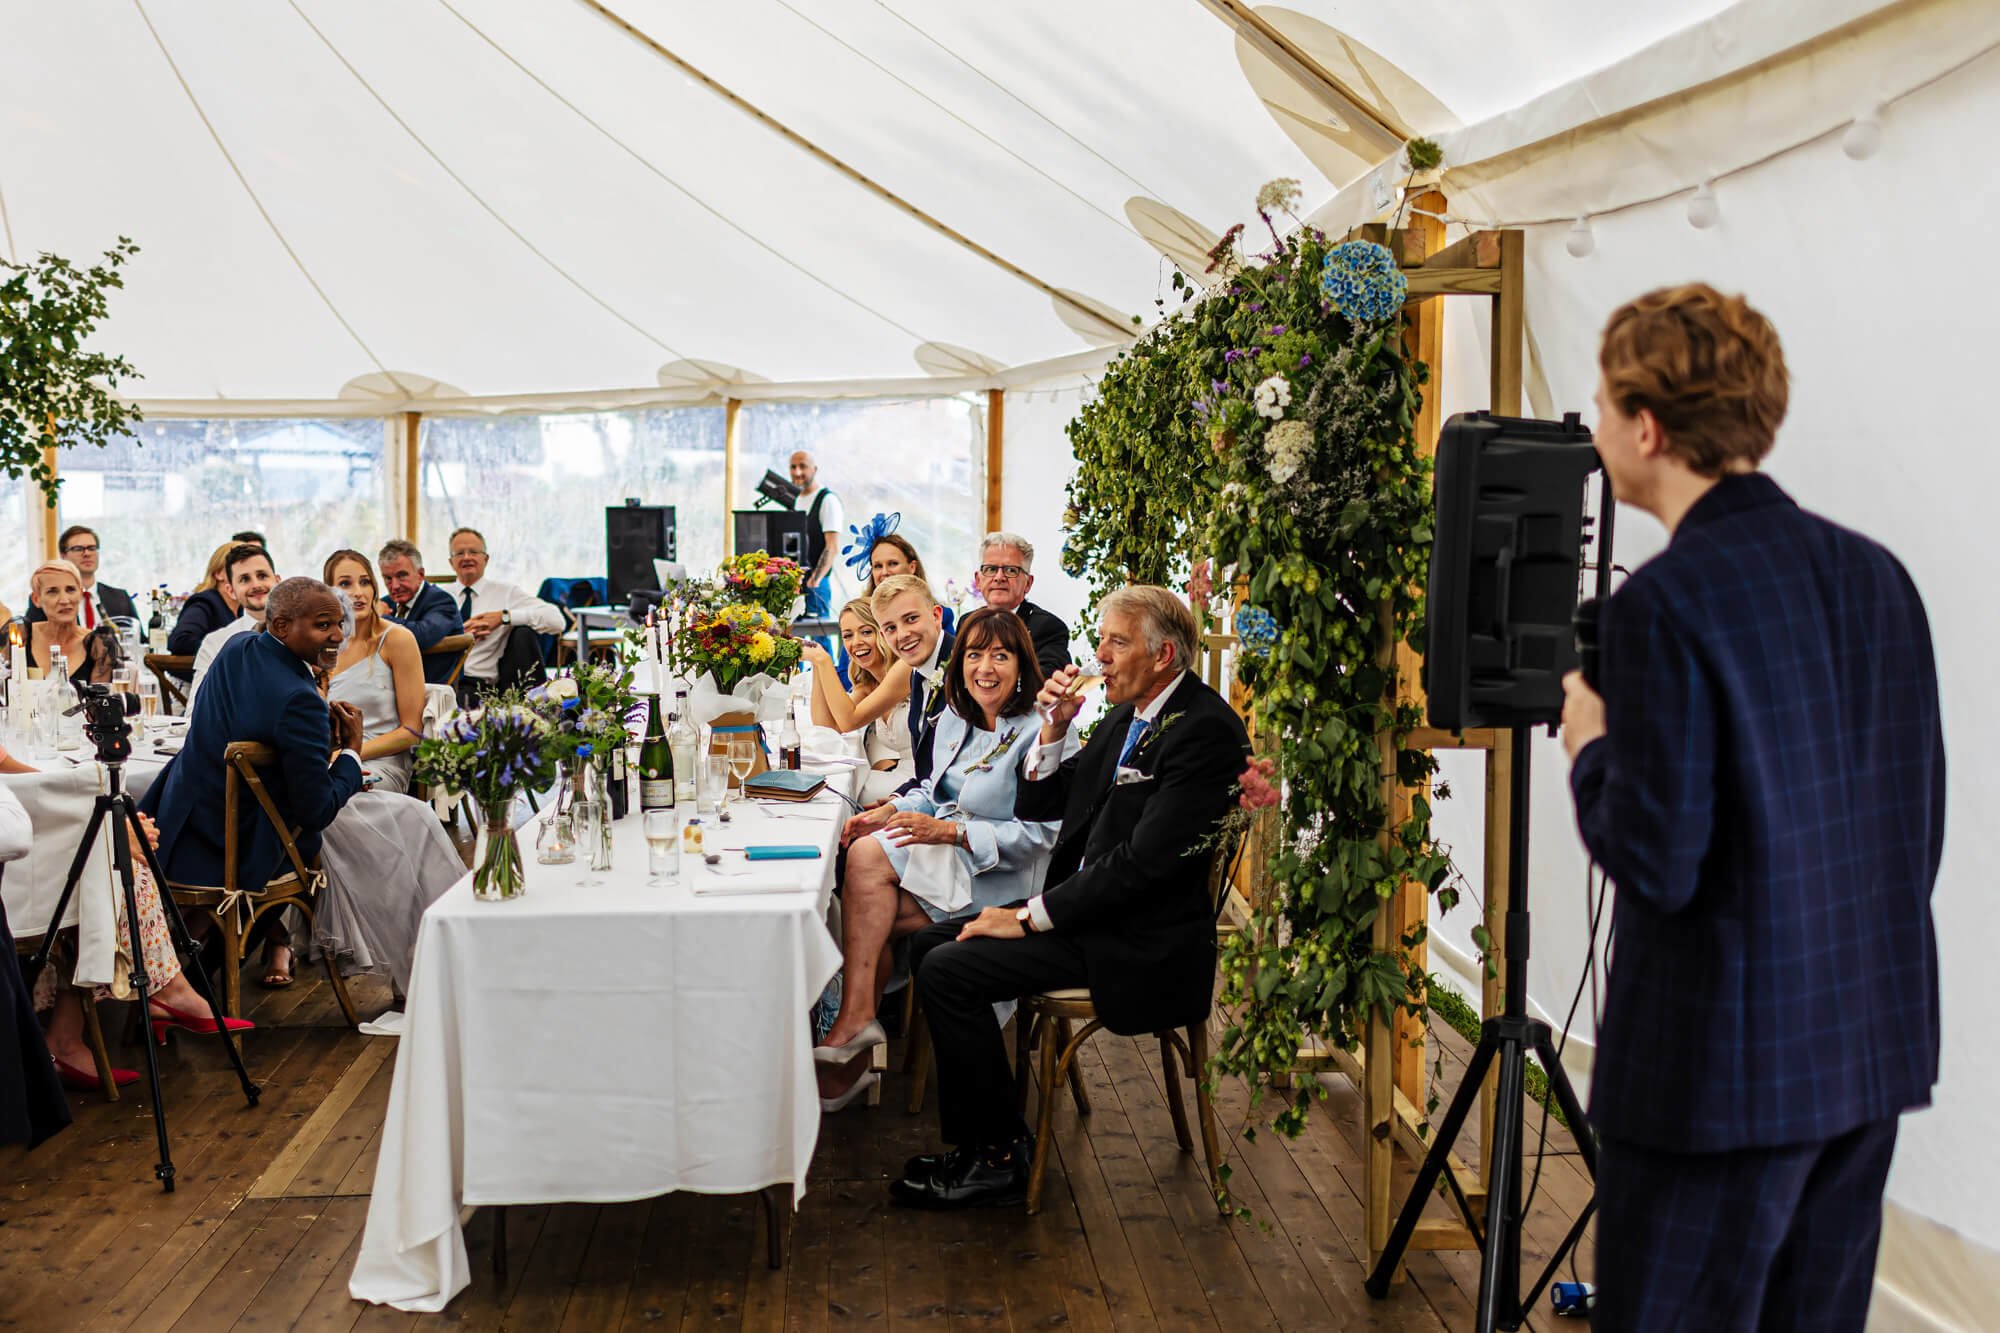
{"x":104,"y":713}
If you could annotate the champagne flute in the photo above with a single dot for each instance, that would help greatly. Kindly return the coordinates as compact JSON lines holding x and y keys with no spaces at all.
{"x":742,"y":758}
{"x":149,"y":702}
{"x":663,"y":849}
{"x":1089,"y":675}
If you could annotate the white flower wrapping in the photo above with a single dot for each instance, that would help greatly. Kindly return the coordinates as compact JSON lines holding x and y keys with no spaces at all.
{"x":1273,"y":396}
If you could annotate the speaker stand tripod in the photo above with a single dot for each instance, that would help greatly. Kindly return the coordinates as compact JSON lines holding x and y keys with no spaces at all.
{"x":1507,"y":1039}
{"x":116,"y":805}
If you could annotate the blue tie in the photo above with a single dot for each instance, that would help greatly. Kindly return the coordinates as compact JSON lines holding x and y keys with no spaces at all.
{"x":1140,"y":726}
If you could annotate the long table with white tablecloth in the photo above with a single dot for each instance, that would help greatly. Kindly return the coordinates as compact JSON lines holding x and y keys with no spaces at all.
{"x":600,"y":1040}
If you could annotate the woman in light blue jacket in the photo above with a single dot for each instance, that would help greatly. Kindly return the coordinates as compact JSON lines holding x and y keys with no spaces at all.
{"x":952,"y":846}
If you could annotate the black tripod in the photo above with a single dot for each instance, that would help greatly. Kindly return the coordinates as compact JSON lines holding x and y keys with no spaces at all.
{"x":112,"y":751}
{"x":1507,"y":1038}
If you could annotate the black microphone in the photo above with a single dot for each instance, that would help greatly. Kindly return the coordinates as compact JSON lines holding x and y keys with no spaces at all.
{"x":1583,"y":623}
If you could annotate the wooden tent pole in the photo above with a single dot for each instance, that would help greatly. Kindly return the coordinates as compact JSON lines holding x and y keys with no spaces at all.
{"x":996,"y":435}
{"x":51,"y":514}
{"x":413,"y":476}
{"x":732,"y":431}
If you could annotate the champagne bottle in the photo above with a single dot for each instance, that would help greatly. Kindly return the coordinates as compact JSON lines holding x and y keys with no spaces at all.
{"x":682,"y":742}
{"x":156,"y":628}
{"x":619,"y":788}
{"x":656,"y":762}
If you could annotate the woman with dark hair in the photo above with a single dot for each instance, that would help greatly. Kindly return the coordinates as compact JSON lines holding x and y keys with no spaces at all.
{"x":209,"y":607}
{"x":952,"y":846}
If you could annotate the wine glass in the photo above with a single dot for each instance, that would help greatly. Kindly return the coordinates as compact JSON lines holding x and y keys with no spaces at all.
{"x":742,"y":758}
{"x":663,"y":849}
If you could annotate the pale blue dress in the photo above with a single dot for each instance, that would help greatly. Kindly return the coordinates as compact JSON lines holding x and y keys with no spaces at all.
{"x":974,"y":777}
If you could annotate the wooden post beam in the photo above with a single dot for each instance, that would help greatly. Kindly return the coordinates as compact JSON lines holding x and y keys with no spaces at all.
{"x":1509,"y":325}
{"x":996,"y":436}
{"x":732,"y":432}
{"x":413,"y":477}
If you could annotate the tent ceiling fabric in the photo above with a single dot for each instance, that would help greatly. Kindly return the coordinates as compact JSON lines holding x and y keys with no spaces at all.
{"x":519,"y":198}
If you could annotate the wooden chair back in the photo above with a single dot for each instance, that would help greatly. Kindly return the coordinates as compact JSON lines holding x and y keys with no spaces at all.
{"x":450,"y":644}
{"x":173,"y":690}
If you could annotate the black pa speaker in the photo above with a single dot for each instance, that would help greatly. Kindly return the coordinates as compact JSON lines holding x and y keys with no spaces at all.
{"x":634,"y":537}
{"x":1506,"y":561}
{"x":780,"y":532}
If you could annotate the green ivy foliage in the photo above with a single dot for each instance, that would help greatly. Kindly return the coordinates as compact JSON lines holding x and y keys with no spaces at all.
{"x":1318,"y":507}
{"x":48,"y":310}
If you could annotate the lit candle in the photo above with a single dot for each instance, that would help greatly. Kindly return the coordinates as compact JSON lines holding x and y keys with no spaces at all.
{"x":17,"y":655}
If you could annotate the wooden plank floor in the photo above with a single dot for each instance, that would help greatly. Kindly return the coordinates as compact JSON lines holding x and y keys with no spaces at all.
{"x":263,"y":1228}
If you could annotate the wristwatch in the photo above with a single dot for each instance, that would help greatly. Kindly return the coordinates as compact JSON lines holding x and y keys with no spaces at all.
{"x":506,"y":616}
{"x":1027,"y":920}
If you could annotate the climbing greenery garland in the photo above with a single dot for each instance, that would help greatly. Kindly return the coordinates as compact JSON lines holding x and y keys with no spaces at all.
{"x":1269,"y":430}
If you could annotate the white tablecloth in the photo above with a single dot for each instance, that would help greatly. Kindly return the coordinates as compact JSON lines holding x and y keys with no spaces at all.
{"x":59,"y":800}
{"x":600,"y":1041}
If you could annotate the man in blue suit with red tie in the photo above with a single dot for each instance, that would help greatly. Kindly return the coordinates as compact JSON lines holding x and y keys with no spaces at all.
{"x":1763,"y":780}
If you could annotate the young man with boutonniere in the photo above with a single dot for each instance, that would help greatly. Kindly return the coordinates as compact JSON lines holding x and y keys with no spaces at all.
{"x":1125,"y":910}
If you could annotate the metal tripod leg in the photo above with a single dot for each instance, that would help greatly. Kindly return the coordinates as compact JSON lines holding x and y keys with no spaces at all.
{"x":1434,"y":1164}
{"x":142,"y":982}
{"x":186,"y":947}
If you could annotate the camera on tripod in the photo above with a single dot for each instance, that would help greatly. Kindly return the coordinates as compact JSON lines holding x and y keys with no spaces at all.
{"x":104,"y":713}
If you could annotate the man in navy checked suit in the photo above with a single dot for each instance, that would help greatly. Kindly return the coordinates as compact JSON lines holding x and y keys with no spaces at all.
{"x":1763,"y":779}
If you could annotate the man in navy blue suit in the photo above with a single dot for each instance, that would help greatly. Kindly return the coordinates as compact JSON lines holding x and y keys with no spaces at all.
{"x":261,"y":688}
{"x":418,"y":605}
{"x":1763,"y":779}
{"x":912,"y":624}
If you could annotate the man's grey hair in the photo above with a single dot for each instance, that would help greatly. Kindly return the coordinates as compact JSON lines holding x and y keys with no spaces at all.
{"x":293,"y":598}
{"x":1163,"y":618}
{"x":1013,"y":539}
{"x":396,"y":548}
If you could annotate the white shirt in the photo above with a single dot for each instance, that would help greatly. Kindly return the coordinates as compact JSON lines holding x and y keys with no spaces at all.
{"x":211,"y":644}
{"x":1048,"y":757}
{"x":483,"y":661}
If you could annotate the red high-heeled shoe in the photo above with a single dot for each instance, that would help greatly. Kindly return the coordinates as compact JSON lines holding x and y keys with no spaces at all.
{"x":201,"y":1025}
{"x":86,"y":1080}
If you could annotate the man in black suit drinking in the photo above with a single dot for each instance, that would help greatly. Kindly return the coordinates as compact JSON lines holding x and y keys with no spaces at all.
{"x":1126,"y":911}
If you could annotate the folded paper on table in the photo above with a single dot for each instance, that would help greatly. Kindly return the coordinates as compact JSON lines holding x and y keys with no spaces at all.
{"x":718,"y":882}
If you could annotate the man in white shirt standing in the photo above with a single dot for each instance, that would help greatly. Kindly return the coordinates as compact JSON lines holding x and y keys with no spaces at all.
{"x":247,"y":570}
{"x":491,"y":610}
{"x":824,"y":524}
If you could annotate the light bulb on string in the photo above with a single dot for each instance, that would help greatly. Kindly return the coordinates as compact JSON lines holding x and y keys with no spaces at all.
{"x":1864,"y":136}
{"x":1582,"y":240}
{"x":1703,"y":211}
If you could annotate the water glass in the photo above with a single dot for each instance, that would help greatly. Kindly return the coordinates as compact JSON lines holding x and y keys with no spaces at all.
{"x":714,"y":782}
{"x":555,"y":845}
{"x":663,"y":849}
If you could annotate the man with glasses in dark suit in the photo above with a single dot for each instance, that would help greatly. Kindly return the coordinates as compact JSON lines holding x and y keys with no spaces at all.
{"x":1006,"y":576}
{"x":101,"y":601}
{"x":1763,"y":779}
{"x":418,"y":605}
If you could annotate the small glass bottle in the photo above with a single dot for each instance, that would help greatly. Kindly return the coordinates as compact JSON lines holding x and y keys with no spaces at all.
{"x":682,"y":742}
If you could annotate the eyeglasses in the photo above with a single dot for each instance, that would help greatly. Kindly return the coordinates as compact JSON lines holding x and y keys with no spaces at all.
{"x":994,"y":571}
{"x":77,"y":548}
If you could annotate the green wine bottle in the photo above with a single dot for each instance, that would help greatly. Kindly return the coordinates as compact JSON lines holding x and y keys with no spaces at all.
{"x":656,"y":762}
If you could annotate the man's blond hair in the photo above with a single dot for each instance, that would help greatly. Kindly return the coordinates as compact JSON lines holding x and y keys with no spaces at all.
{"x":895,"y":586}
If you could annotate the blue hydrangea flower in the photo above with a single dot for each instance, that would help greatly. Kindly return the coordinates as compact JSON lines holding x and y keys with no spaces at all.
{"x":1256,"y":630}
{"x":1363,"y":282}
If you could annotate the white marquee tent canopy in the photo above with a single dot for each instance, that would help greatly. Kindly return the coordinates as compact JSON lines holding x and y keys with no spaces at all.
{"x":360,"y":207}
{"x":541,"y":200}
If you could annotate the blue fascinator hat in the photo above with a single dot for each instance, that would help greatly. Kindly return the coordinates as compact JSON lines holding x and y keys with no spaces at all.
{"x":866,"y":537}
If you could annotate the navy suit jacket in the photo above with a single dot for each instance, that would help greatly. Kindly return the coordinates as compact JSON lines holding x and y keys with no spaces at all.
{"x":926,"y":706}
{"x":1769,"y":800}
{"x":256,"y":690}
{"x":432,"y":615}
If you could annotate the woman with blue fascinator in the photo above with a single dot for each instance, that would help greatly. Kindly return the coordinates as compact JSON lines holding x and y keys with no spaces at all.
{"x":878,"y":552}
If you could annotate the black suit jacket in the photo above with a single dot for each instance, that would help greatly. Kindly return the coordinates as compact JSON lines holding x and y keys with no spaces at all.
{"x":1051,"y":637}
{"x":1128,"y":877}
{"x":115,"y":601}
{"x":432,"y":615}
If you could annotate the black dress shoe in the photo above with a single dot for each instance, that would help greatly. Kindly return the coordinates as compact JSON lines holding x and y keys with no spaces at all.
{"x":923,"y":1164}
{"x":966,"y":1180}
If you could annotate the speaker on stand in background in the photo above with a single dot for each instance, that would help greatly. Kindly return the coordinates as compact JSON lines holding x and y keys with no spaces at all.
{"x":781,"y":532}
{"x":635,"y":535}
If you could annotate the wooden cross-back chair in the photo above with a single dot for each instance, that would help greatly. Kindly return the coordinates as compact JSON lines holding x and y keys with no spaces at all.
{"x":173,"y":690}
{"x":236,"y":907}
{"x":1050,"y":1018}
{"x":450,"y":645}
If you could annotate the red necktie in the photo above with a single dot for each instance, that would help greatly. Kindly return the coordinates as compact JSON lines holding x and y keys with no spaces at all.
{"x":89,"y":613}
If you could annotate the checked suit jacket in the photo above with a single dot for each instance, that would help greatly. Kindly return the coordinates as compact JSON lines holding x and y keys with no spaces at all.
{"x":1128,"y":877}
{"x":1769,"y":800}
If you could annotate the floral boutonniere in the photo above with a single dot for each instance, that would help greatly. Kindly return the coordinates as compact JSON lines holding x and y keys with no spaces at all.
{"x":1005,"y":744}
{"x":1159,"y":730}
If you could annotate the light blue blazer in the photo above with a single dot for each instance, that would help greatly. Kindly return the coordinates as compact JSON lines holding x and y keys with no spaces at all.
{"x":973,"y":783}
